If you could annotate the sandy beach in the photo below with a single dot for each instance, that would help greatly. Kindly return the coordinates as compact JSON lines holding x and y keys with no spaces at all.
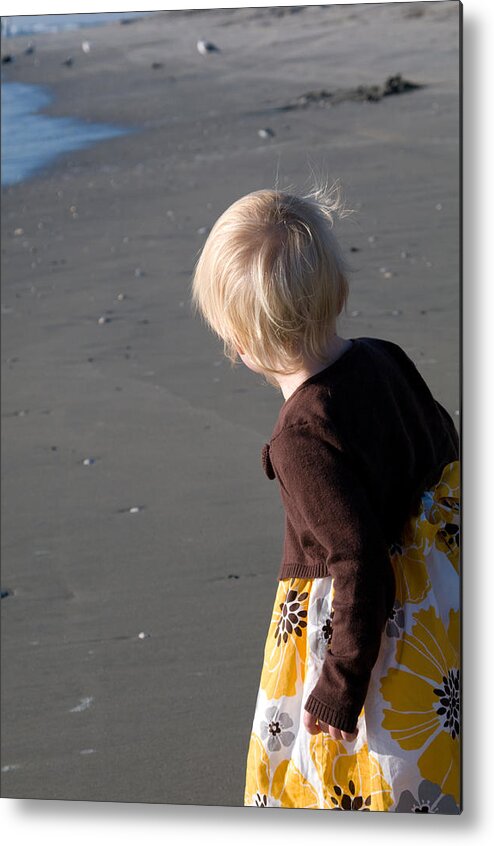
{"x":141,"y":539}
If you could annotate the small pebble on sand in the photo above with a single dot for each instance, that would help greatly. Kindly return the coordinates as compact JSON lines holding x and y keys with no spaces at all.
{"x":387,"y":274}
{"x":206,"y":47}
{"x":371,"y":239}
{"x":354,"y":313}
{"x":103,"y":319}
{"x":19,"y":231}
{"x":203,"y":230}
{"x":86,"y":46}
{"x":267,"y":132}
{"x":88,"y":461}
{"x":396,"y":311}
{"x":83,"y":705}
{"x":135,"y":509}
{"x":404,"y":254}
{"x":121,"y":297}
{"x":439,"y":206}
{"x":143,"y":635}
{"x":138,"y":272}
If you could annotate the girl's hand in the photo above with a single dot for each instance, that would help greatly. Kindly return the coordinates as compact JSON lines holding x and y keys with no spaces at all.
{"x":314,"y":726}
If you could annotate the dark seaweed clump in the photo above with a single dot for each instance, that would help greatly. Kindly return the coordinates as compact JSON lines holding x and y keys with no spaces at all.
{"x":362,"y":93}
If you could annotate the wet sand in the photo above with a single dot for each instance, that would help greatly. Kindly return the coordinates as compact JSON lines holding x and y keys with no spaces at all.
{"x":90,"y":709}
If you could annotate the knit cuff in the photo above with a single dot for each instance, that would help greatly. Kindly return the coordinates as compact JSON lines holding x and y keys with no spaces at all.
{"x":343,"y":720}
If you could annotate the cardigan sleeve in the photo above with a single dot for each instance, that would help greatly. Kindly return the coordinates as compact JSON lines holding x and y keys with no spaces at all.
{"x":326,"y":499}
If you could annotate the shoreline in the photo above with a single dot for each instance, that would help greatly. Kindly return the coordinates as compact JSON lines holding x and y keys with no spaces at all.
{"x":23,"y":120}
{"x":29,"y":25}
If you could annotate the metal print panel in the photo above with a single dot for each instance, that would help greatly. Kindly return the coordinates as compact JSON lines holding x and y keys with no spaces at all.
{"x":232,"y":585}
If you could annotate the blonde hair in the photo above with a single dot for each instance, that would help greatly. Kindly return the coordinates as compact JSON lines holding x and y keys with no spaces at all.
{"x":271,"y":279}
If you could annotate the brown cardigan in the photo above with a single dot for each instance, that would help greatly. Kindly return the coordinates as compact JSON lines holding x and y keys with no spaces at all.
{"x":353,"y":449}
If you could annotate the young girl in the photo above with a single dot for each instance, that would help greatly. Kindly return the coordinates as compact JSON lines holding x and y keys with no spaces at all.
{"x":358,"y":704}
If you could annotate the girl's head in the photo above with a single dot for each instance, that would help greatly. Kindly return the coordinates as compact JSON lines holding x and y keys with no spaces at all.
{"x":271,"y":280}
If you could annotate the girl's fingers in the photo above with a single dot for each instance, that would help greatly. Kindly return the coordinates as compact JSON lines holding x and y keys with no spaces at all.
{"x":313,"y":729}
{"x":331,"y":730}
{"x":314,"y":726}
{"x":336,"y":734}
{"x":310,"y":723}
{"x":350,"y":736}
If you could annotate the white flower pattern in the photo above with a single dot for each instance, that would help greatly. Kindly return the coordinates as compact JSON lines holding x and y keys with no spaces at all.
{"x":275,"y":729}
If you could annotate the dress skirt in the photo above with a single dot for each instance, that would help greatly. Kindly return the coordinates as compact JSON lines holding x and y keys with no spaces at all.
{"x":406,"y":757}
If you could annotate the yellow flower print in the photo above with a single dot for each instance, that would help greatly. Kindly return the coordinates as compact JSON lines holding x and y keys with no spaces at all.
{"x":435,"y":525}
{"x":286,"y":644}
{"x":291,"y":789}
{"x":258,"y":777}
{"x":445,"y":513}
{"x":448,"y":541}
{"x":411,"y":576}
{"x":410,"y":567}
{"x":286,"y":788}
{"x":425,"y":697}
{"x":448,"y":486}
{"x":351,"y":781}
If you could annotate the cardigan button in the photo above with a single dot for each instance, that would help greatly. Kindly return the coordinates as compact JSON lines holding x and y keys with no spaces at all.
{"x":266,"y":462}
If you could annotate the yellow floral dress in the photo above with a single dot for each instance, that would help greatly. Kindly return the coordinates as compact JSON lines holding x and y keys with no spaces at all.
{"x":406,"y":757}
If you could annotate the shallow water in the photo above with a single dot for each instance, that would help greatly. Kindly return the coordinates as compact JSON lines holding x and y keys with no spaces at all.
{"x":33,"y":24}
{"x":31,"y":140}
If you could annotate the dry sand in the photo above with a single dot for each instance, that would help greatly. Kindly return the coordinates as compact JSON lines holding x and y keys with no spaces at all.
{"x":90,"y":710}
